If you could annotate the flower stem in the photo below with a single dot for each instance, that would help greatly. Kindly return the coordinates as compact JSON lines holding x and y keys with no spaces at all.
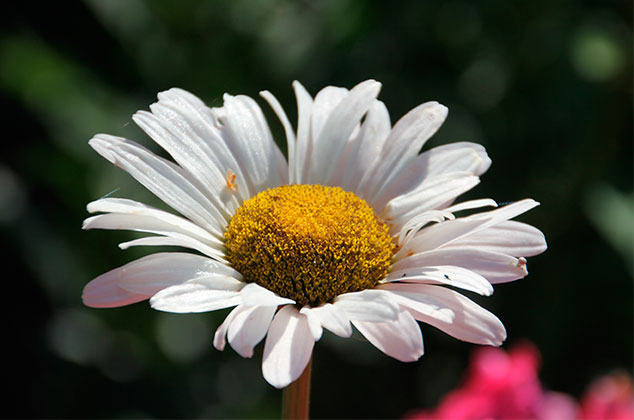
{"x":296,"y":397}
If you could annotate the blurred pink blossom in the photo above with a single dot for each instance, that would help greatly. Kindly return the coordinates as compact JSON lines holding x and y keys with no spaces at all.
{"x":505,"y":385}
{"x":609,"y":397}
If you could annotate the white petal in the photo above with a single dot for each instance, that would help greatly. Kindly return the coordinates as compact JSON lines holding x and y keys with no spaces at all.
{"x":495,"y":267}
{"x":195,"y":123}
{"x":417,"y":222}
{"x":411,"y":227}
{"x":400,"y":338}
{"x":367,"y":305}
{"x":366,"y":147}
{"x":291,"y":140}
{"x":402,"y":146}
{"x":220,"y":336}
{"x":314,"y":323}
{"x":173,"y":132}
{"x":512,"y":238}
{"x":455,"y":157}
{"x":375,"y":130}
{"x":166,"y":180}
{"x":201,"y":295}
{"x":471,"y":323}
{"x":157,"y":220}
{"x":324,"y":104}
{"x":104,"y":292}
{"x":446,"y":232}
{"x":155,"y":272}
{"x":417,"y":303}
{"x":142,"y":278}
{"x":460,"y":156}
{"x":256,"y":295}
{"x":442,"y":274}
{"x":304,"y":148}
{"x":330,"y":317}
{"x":288,"y":347}
{"x":149,"y":224}
{"x":332,"y":139}
{"x":472,"y":204}
{"x":432,"y":194}
{"x":249,"y":138}
{"x":248,"y":327}
{"x":176,"y":240}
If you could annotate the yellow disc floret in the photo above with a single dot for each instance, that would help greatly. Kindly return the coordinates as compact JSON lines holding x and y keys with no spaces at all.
{"x":309,"y":243}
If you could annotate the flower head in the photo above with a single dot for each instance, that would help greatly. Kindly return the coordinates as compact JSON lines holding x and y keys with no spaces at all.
{"x":355,"y":228}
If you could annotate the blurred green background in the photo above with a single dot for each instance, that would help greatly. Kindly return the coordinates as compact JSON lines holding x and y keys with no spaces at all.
{"x":545,"y":86}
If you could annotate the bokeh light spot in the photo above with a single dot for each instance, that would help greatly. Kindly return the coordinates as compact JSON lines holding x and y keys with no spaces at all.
{"x":596,"y":55}
{"x":484,"y":83}
{"x":183,"y":338}
{"x":78,"y":336}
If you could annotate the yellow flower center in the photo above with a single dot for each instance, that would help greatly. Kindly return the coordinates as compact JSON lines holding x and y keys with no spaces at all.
{"x":309,"y":243}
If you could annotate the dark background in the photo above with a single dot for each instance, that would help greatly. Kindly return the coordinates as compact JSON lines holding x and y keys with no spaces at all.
{"x":545,"y":86}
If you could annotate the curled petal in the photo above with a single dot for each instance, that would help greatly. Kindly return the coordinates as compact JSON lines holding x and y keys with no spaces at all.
{"x":434,"y":194}
{"x":444,"y":233}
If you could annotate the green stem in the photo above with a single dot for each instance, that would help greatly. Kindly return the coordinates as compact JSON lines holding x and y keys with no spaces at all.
{"x":296,"y":397}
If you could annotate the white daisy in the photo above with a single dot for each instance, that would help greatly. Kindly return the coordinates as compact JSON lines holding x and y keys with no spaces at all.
{"x":357,"y":229}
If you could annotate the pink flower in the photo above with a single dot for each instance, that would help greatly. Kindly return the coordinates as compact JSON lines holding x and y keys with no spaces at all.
{"x":609,"y":397}
{"x":501,"y":385}
{"x":557,"y":406}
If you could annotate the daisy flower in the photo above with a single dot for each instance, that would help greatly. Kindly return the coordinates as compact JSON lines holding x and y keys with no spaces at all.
{"x":354,"y":228}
